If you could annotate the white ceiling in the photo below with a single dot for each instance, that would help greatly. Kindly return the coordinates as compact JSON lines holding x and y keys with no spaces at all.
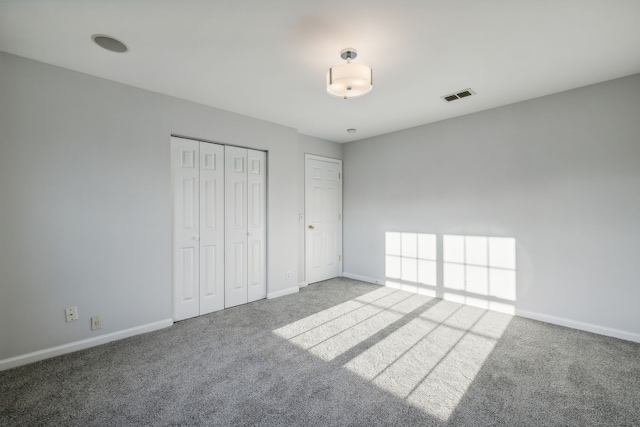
{"x":268,"y":59}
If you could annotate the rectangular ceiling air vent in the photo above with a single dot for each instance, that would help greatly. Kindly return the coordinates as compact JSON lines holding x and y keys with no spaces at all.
{"x":462,"y":94}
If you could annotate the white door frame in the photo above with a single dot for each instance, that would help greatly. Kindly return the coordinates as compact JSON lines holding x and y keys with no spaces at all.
{"x":307,"y":211}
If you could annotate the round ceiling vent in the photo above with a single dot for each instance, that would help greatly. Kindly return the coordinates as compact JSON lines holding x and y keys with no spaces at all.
{"x":109,"y":43}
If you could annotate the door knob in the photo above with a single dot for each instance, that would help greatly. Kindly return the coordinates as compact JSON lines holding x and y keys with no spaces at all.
{"x":311,"y":227}
{"x":196,"y":238}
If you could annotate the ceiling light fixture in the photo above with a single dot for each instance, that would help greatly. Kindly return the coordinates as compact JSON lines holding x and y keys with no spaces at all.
{"x":349,"y":80}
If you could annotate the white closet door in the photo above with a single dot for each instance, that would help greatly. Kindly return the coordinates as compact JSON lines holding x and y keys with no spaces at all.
{"x":235,"y":226}
{"x":211,"y":227}
{"x":186,"y":248}
{"x":256,"y":222}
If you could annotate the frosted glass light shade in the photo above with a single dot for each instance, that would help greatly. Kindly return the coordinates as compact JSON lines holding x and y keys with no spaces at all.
{"x":349,"y":80}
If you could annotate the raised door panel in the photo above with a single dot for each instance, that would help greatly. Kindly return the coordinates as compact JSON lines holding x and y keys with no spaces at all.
{"x":186,"y":272}
{"x":317,"y":252}
{"x":186,"y":248}
{"x":235,"y":226}
{"x":256,"y":225}
{"x":211,"y":227}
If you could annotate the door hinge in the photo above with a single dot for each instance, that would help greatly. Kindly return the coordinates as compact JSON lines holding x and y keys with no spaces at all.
{"x":339,"y":217}
{"x":339,"y":175}
{"x":339,"y":257}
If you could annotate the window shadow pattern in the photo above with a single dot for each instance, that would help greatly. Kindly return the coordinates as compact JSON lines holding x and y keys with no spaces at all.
{"x":418,"y":348}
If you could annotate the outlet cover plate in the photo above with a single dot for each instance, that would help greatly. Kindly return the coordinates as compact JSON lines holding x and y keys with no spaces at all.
{"x":71,"y":313}
{"x":96,"y":323}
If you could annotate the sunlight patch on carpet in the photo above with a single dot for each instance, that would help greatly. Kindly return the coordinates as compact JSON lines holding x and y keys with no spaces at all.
{"x":421,"y":349}
{"x":433,"y":372}
{"x":332,"y":332}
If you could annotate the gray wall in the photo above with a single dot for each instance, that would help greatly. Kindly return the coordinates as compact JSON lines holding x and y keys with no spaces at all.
{"x":85,"y":217}
{"x":319,"y":147}
{"x":560,"y":174}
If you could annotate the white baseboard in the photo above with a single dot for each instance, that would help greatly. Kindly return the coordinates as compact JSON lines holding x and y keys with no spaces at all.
{"x":588,"y":327}
{"x":47,"y":353}
{"x":302,"y":284}
{"x":363,"y":278}
{"x":283,"y":292}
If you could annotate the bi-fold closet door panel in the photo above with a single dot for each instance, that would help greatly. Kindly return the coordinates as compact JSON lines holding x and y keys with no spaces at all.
{"x":256,"y":225}
{"x":198,"y":227}
{"x":245,"y":237}
{"x":211,"y":227}
{"x":235,"y":291}
{"x":185,"y":178}
{"x":219,"y":226}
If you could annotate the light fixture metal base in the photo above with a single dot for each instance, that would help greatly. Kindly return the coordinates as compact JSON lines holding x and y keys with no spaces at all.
{"x":348,"y":53}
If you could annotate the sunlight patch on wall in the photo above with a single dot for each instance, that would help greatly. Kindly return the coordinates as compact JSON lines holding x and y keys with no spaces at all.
{"x":480,"y":271}
{"x":475,"y":270}
{"x":411,"y":262}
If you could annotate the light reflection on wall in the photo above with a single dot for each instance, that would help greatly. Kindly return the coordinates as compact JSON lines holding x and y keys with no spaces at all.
{"x":411,"y":262}
{"x":480,"y":271}
{"x":476,"y":270}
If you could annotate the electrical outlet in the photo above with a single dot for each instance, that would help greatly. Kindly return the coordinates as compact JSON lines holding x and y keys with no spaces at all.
{"x":288,"y":275}
{"x":96,"y":323}
{"x":71,"y":313}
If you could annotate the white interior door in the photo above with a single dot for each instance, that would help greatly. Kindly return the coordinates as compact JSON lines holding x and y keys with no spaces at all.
{"x":323,"y":211}
{"x":235,"y":226}
{"x":256,"y":223}
{"x":186,"y":228}
{"x":211,"y":227}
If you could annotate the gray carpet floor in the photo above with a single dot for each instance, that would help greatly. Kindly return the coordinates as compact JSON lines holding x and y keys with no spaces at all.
{"x":338,"y":353}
